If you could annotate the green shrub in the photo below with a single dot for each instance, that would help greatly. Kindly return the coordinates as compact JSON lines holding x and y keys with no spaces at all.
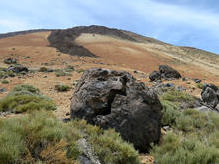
{"x":5,"y":81}
{"x":171,"y":101}
{"x":177,"y":96}
{"x":43,"y":69}
{"x":62,"y":88}
{"x":184,"y":150}
{"x":170,"y":113}
{"x":80,"y":70}
{"x":200,"y":85}
{"x":25,"y":89}
{"x":108,"y":145}
{"x":39,"y":137}
{"x":25,"y":98}
{"x":5,"y":74}
{"x":62,"y":73}
{"x":194,"y":139}
{"x":69,"y":68}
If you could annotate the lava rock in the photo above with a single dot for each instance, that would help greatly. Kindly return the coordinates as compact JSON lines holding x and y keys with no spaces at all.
{"x":18,"y":69}
{"x":114,"y":99}
{"x":169,"y":85}
{"x":2,"y":90}
{"x":168,"y":72}
{"x":212,"y":86}
{"x":154,"y":76}
{"x":210,"y":95}
{"x":197,"y":80}
{"x":184,"y":79}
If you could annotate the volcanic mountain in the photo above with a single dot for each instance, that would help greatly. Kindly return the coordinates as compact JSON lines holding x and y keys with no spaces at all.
{"x":110,"y":46}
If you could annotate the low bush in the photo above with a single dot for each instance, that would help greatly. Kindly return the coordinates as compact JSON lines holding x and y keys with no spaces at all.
{"x":5,"y":74}
{"x":5,"y":81}
{"x":177,"y":96}
{"x":62,"y":73}
{"x":39,"y":137}
{"x":200,"y":85}
{"x":62,"y":88}
{"x":185,"y":150}
{"x":108,"y":145}
{"x":170,"y":113}
{"x":43,"y":69}
{"x":69,"y":68}
{"x":193,"y":136}
{"x":80,"y":70}
{"x":192,"y":140}
{"x":171,"y":101}
{"x":25,"y":98}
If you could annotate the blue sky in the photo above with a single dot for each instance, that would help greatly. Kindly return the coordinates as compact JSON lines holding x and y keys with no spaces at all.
{"x":180,"y":22}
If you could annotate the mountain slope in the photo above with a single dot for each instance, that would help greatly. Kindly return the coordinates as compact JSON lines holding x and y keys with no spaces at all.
{"x":120,"y":48}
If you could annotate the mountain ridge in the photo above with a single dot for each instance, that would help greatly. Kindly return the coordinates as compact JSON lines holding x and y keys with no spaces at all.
{"x":133,"y":36}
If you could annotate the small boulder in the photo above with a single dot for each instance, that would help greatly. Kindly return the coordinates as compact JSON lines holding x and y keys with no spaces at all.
{"x":212,"y":86}
{"x":169,"y":85}
{"x":168,"y":72}
{"x":2,"y":90}
{"x":209,"y":95}
{"x":114,"y":99}
{"x":154,"y":76}
{"x":10,"y":61}
{"x":197,"y":80}
{"x":18,"y":69}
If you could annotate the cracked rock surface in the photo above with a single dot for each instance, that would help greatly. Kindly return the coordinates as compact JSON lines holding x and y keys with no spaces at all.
{"x":113,"y":99}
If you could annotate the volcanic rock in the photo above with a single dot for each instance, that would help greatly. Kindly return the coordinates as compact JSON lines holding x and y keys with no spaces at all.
{"x":168,"y":72}
{"x":154,"y":76}
{"x":18,"y":69}
{"x":113,"y":99}
{"x":210,"y":95}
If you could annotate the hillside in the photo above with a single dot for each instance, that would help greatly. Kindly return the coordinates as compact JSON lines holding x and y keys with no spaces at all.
{"x":59,"y":57}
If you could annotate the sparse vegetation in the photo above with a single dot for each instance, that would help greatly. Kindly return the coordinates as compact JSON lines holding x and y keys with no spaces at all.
{"x":176,"y":96}
{"x":170,"y":113}
{"x":43,"y":69}
{"x":62,"y":87}
{"x":193,"y":134}
{"x":25,"y":98}
{"x":5,"y":81}
{"x":200,"y":85}
{"x":69,"y":68}
{"x":40,"y":137}
{"x":80,"y":71}
{"x":65,"y":72}
{"x":62,"y":73}
{"x":176,"y":148}
{"x":5,"y":74}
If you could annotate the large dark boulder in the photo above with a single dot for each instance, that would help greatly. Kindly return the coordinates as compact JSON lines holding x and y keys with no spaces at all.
{"x":113,"y":99}
{"x":154,"y":76}
{"x":168,"y":72}
{"x":210,"y":95}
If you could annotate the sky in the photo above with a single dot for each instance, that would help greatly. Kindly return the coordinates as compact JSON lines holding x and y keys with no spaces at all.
{"x":193,"y":23}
